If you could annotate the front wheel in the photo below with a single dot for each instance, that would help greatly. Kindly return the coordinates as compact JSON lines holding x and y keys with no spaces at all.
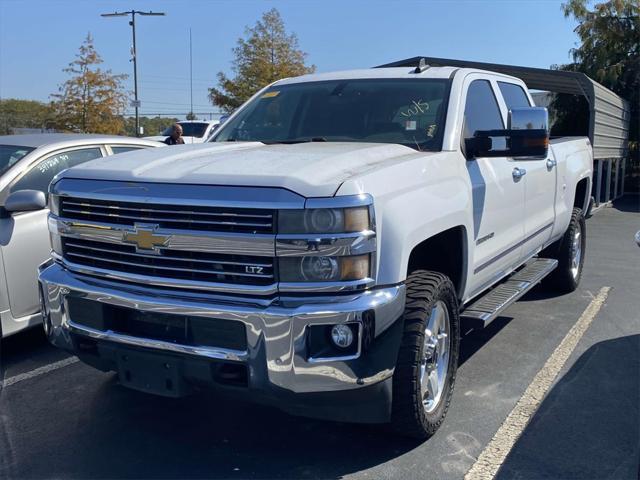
{"x":428,"y":357}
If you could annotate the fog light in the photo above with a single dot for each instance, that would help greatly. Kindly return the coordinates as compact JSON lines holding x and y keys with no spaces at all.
{"x":342,"y":335}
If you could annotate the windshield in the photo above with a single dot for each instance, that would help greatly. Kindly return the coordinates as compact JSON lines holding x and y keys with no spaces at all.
{"x":189,"y":129}
{"x":10,"y":154}
{"x":408,"y":112}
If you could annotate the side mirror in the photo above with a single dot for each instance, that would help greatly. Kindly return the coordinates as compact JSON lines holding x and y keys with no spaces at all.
{"x":527,"y":135}
{"x":25,"y":201}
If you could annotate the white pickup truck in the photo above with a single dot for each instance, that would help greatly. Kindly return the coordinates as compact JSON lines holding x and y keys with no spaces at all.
{"x":322,"y":253}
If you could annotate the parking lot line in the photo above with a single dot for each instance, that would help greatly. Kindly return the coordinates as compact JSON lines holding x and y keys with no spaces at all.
{"x":38,"y":371}
{"x":496,"y":451}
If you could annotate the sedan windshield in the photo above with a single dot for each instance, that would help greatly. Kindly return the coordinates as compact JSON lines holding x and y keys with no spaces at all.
{"x":410,"y":112}
{"x":189,"y":129}
{"x":10,"y":154}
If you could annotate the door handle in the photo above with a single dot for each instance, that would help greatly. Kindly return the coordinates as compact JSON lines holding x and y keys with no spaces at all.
{"x":551,"y":163}
{"x":518,"y":173}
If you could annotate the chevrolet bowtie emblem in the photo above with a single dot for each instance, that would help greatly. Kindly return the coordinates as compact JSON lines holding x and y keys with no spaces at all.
{"x":145,"y":238}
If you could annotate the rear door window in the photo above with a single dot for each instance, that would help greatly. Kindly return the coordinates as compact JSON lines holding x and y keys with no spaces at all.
{"x":513,"y":95}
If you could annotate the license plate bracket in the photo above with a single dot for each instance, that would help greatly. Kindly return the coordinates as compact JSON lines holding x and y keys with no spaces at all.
{"x":152,"y":373}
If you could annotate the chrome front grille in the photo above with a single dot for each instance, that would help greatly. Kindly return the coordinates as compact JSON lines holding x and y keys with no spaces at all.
{"x":205,"y":238}
{"x":178,"y":217}
{"x":170,"y":264}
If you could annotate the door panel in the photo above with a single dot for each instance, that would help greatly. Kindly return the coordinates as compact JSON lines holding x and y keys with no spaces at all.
{"x":498,"y":225}
{"x":540,"y":194}
{"x":24,"y":240}
{"x":539,"y":181}
{"x":498,"y":198}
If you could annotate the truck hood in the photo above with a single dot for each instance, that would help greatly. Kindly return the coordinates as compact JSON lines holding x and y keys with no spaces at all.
{"x":314,"y":169}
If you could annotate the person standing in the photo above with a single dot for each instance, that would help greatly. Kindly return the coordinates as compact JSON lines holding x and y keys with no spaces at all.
{"x":176,"y":136}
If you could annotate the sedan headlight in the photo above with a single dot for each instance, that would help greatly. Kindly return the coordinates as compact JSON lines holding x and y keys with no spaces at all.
{"x":324,"y":220}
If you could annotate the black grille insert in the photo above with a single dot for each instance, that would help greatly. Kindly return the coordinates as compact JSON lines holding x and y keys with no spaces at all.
{"x":178,"y":329}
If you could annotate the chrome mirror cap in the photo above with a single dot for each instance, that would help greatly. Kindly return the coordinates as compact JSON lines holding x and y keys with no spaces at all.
{"x":638,"y":237}
{"x":528,"y":118}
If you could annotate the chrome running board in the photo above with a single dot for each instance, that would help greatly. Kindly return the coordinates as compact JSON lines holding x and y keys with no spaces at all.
{"x":481,"y":312}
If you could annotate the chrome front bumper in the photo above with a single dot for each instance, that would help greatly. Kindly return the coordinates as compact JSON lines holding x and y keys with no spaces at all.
{"x":276,"y":355}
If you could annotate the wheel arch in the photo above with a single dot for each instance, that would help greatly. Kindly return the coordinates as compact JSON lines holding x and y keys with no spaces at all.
{"x":582,"y":194}
{"x":428,"y":255}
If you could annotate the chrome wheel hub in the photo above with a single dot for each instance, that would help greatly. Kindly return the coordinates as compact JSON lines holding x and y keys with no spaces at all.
{"x":577,"y":253}
{"x":435,"y":357}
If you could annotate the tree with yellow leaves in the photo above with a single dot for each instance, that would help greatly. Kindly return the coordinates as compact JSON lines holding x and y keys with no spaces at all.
{"x":92,"y":100}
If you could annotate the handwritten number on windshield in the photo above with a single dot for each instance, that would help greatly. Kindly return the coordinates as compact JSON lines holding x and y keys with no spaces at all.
{"x":416,"y":109}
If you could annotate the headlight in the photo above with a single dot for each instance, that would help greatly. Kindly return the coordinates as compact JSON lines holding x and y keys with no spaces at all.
{"x":324,"y":220}
{"x":324,"y":269}
{"x":330,"y":245}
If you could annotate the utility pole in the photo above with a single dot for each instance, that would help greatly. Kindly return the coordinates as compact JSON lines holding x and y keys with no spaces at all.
{"x":191,"y":71}
{"x":134,"y":59}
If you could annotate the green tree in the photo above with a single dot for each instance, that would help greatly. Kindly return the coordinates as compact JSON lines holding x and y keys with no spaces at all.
{"x":609,"y":52}
{"x":15,"y":113}
{"x":92,"y":100}
{"x":267,"y":54}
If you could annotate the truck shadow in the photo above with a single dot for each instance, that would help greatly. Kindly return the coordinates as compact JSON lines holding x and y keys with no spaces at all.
{"x":628,"y":203}
{"x":473,"y":340}
{"x":132,"y":435}
{"x":589,"y":424}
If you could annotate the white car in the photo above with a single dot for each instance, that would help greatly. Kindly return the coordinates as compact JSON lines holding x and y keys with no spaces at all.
{"x":193,"y":131}
{"x":28,"y":163}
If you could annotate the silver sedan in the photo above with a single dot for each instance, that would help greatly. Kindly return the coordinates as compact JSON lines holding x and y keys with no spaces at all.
{"x":28,"y":163}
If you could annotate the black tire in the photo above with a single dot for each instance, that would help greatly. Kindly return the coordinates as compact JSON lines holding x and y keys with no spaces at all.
{"x":409,"y":416}
{"x":565,"y":279}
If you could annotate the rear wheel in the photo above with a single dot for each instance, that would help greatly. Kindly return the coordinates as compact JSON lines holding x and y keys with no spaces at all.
{"x":569,"y":251}
{"x":428,"y":358}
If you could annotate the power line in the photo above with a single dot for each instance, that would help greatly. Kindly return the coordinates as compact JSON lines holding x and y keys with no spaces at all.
{"x":179,"y":104}
{"x":178,"y":78}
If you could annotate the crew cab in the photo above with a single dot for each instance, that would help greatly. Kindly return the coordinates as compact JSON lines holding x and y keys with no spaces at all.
{"x":322,"y":251}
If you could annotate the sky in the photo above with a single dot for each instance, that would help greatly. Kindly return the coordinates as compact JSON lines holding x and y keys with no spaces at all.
{"x":38,"y":38}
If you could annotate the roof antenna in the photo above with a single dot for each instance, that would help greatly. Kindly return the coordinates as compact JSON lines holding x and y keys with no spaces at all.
{"x":422,"y":66}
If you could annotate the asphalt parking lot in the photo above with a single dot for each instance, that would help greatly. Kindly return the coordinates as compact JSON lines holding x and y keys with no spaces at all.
{"x":66,"y":420}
